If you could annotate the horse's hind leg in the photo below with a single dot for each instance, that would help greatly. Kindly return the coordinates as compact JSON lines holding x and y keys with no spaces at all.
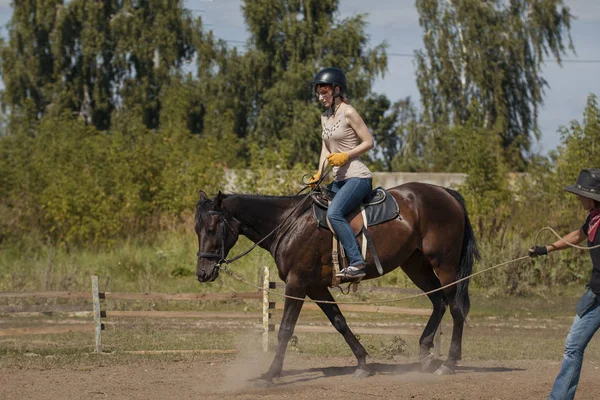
{"x":458,"y":318}
{"x":420,"y":271}
{"x":339,"y":322}
{"x":458,"y":308}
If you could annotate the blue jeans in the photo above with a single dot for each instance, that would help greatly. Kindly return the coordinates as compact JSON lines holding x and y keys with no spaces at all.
{"x":579,"y":336}
{"x":348,"y":195}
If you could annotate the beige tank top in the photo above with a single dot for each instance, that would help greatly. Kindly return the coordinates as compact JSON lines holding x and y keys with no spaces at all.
{"x":339,"y":137}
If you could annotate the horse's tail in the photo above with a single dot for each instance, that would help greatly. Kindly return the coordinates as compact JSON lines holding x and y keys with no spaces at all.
{"x":469,"y":253}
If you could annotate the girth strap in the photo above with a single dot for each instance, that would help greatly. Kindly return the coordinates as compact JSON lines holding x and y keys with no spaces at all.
{"x":364,"y":238}
{"x":367,"y":238}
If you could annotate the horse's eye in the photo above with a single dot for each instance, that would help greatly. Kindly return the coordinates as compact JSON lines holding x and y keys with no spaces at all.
{"x":211,"y":231}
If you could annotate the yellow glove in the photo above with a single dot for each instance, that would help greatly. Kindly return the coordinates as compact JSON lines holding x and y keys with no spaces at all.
{"x":312,"y":181}
{"x":337,"y":159}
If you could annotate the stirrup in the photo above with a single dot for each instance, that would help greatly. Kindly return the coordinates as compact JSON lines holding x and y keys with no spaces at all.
{"x":351,"y":273}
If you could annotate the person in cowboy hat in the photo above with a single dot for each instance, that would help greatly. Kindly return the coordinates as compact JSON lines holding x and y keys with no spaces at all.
{"x":345,"y":137}
{"x":587,"y":320}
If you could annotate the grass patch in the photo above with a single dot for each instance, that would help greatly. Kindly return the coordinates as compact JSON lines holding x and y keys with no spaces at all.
{"x":500,"y":327}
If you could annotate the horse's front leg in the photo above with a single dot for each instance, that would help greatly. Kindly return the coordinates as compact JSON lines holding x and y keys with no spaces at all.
{"x":339,"y":322}
{"x":291,"y":311}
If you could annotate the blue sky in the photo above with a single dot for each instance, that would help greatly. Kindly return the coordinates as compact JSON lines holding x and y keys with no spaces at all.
{"x":396,"y":21}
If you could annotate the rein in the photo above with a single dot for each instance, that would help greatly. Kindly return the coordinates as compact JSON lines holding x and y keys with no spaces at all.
{"x":220,"y":258}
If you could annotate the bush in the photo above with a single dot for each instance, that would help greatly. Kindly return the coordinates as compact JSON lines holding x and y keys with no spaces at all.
{"x":75,"y":184}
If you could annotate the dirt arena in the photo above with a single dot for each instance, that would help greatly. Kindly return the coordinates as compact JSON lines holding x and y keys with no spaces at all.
{"x":505,"y":357}
{"x":305,"y":377}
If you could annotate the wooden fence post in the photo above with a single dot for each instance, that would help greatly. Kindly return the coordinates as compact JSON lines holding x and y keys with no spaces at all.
{"x":265,"y":334}
{"x":97,"y":314}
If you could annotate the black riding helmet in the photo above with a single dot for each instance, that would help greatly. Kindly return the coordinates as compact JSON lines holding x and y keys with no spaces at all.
{"x":331,"y":76}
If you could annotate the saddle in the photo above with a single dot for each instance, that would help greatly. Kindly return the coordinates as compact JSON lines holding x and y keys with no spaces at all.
{"x":377,"y":208}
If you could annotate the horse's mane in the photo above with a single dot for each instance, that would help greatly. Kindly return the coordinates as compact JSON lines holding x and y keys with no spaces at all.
{"x":262,"y":196}
{"x":291,"y":220}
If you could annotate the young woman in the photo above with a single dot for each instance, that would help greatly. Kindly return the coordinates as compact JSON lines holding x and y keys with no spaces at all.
{"x":587,"y":320}
{"x":345,"y":137}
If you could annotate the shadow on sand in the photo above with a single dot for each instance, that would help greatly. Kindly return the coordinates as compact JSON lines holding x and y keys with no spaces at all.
{"x":309,"y":374}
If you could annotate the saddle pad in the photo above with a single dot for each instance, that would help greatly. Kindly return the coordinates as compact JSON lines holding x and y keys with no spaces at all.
{"x":376,"y":214}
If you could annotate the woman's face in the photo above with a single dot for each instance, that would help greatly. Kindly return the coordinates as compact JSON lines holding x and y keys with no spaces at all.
{"x":586,"y":202}
{"x":324,"y":94}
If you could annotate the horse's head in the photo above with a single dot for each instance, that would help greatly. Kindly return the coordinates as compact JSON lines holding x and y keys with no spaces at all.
{"x":217,"y":233}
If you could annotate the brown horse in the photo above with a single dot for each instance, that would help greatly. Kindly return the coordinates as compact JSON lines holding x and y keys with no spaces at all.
{"x":432,"y":241}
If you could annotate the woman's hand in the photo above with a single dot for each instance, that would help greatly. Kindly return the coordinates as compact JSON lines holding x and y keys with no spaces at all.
{"x":536,"y":251}
{"x":337,"y":159}
{"x":312,"y":181}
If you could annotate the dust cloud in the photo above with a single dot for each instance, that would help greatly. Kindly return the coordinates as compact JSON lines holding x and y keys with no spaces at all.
{"x":248,"y":365}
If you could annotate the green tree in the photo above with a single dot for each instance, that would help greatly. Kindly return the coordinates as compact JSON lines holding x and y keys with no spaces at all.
{"x":580,"y":143}
{"x":543,"y":187}
{"x":542,"y":202}
{"x":395,"y":130}
{"x":292,"y":39}
{"x":226,"y":99}
{"x":95,"y":58}
{"x":580,"y":148}
{"x":153,"y":39}
{"x":490,"y":52}
{"x":27,"y":60}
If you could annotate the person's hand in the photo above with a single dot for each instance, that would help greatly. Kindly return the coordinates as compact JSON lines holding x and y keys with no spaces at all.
{"x":312,"y":181}
{"x":337,"y":159}
{"x":536,"y":251}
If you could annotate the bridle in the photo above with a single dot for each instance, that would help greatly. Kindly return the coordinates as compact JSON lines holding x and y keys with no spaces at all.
{"x":219,"y":258}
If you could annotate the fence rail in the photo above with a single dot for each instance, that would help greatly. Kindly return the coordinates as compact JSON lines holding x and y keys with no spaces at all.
{"x":268,"y":307}
{"x":133,"y":296}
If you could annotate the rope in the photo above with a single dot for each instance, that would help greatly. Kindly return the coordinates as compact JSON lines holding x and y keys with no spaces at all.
{"x":238,"y":278}
{"x":260,"y":288}
{"x":547,"y":228}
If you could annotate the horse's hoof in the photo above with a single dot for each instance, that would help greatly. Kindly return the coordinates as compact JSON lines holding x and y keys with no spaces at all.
{"x":427,"y":363}
{"x":444,"y":370}
{"x":263,"y":382}
{"x":361,"y":373}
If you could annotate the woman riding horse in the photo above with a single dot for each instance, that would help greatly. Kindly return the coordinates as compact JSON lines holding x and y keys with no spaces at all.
{"x":344,"y":138}
{"x":431,"y":239}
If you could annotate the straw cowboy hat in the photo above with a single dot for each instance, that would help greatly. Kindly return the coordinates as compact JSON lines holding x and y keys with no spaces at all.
{"x":588,"y":184}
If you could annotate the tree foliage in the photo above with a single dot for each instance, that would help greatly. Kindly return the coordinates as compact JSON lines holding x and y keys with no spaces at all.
{"x":27,"y":67}
{"x":109,"y":133}
{"x":490,"y":52}
{"x":93,"y":58}
{"x":295,"y":39}
{"x":74,"y":184}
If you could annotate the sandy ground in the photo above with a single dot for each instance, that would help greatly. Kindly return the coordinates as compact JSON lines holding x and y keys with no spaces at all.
{"x":305,"y":377}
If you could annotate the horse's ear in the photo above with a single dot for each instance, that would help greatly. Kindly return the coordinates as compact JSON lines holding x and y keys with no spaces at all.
{"x":219,"y":200}
{"x":203,"y":195}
